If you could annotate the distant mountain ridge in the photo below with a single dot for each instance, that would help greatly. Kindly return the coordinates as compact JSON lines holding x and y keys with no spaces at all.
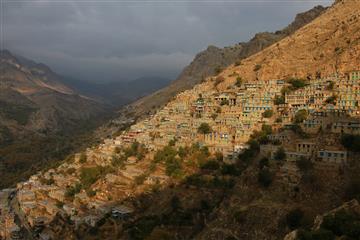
{"x":34,"y":93}
{"x":120,"y":92}
{"x":214,"y":59}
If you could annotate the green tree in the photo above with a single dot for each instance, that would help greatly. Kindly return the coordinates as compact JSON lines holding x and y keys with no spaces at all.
{"x":294,"y":218}
{"x":301,"y":115}
{"x":83,"y":158}
{"x":265,"y":177}
{"x":268,"y":113}
{"x":351,"y":142}
{"x":204,"y":128}
{"x":238,"y":82}
{"x":279,"y":100}
{"x":280,"y":154}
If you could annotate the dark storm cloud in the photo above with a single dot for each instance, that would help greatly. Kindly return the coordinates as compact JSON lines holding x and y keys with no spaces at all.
{"x":109,"y":40}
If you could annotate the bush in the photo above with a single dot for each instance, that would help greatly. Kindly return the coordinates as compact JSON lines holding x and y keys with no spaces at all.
{"x":294,"y":218}
{"x":297,"y":83}
{"x":143,"y":227}
{"x":251,"y":152}
{"x":257,"y":67}
{"x":280,"y":154}
{"x":301,"y":115}
{"x":175,"y":203}
{"x":239,"y":216}
{"x":211,"y":165}
{"x":238,"y":82}
{"x":118,"y":161}
{"x":264,"y":162}
{"x":173,"y":167}
{"x":351,"y":142}
{"x":71,"y":191}
{"x":230,"y":169}
{"x":331,"y":100}
{"x":320,"y":234}
{"x":204,"y":128}
{"x":304,"y":164}
{"x":83,"y":158}
{"x":90,"y":175}
{"x":268,"y":113}
{"x":342,"y":223}
{"x":224,"y":102}
{"x":265,"y":177}
{"x":279,"y":100}
{"x":266,"y":129}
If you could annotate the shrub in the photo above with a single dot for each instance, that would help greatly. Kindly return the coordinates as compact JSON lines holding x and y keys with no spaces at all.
{"x":330,"y":86}
{"x":72,"y":190}
{"x":90,"y":192}
{"x":239,"y":216}
{"x":90,"y":175}
{"x":211,"y":165}
{"x":230,"y":169}
{"x":219,"y":156}
{"x":83,"y":158}
{"x":304,"y":164}
{"x":294,"y":218}
{"x":321,"y":234}
{"x":297,"y":83}
{"x":173,"y":167}
{"x":265,"y":177}
{"x":224,"y":102}
{"x":331,"y":100}
{"x":301,"y":115}
{"x":183,"y":152}
{"x":266,"y":129}
{"x":70,"y":171}
{"x":238,"y":82}
{"x":280,"y":154}
{"x":264,"y":162}
{"x":268,"y":113}
{"x":204,"y":128}
{"x":342,"y":223}
{"x":143,"y":227}
{"x":175,"y":203}
{"x":351,"y":142}
{"x":279,"y":100}
{"x":257,"y":67}
{"x":118,"y":161}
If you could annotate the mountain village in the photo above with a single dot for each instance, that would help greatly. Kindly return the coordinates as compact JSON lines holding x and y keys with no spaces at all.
{"x":294,"y":119}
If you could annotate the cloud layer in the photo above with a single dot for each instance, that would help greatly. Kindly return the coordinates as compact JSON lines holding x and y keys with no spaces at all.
{"x":110,"y":40}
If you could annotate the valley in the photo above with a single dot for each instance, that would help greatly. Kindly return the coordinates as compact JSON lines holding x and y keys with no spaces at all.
{"x":264,"y":147}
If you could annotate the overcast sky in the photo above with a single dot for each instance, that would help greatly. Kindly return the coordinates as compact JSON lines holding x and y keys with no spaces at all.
{"x":102,"y":40}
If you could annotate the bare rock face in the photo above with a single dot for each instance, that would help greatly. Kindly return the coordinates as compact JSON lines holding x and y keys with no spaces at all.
{"x":291,"y":236}
{"x":214,"y":59}
{"x":327,"y":45}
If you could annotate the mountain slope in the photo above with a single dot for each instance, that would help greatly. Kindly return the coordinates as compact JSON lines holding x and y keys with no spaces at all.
{"x":34,"y":92}
{"x":165,"y":179}
{"x":327,"y":45}
{"x":41,"y":119}
{"x":213,"y":59}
